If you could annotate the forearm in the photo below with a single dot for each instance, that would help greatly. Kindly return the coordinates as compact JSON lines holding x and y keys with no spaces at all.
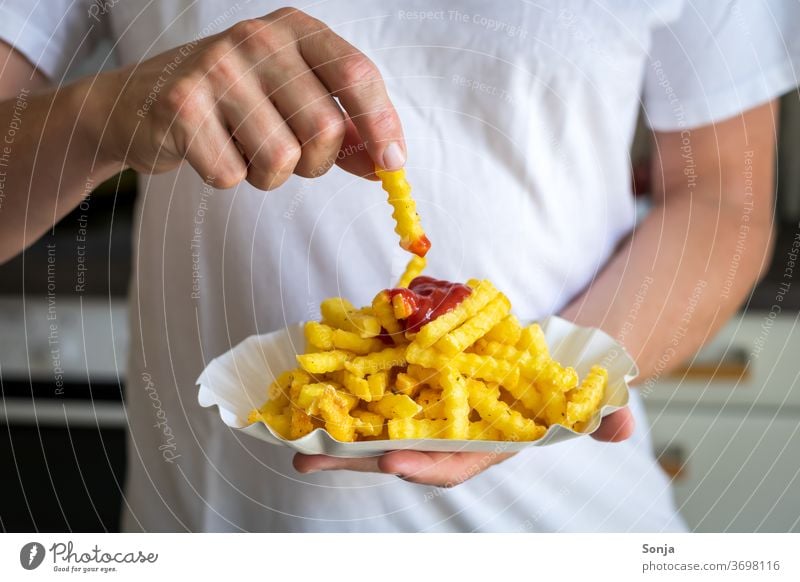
{"x":681,"y":274}
{"x":49,"y":159}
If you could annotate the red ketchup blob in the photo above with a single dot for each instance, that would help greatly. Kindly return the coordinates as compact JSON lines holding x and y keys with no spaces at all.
{"x":420,"y":247}
{"x":427,"y":298}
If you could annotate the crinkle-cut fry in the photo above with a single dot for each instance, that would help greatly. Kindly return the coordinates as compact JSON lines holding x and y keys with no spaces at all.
{"x":430,"y":400}
{"x":412,"y":428}
{"x":352,"y":342}
{"x":281,"y":423}
{"x":319,"y":335}
{"x":381,"y":361}
{"x":278,"y":392}
{"x":395,"y":406}
{"x":553,"y":408}
{"x":368,"y":423}
{"x":414,"y":269}
{"x":547,"y":373}
{"x":357,"y":386}
{"x":408,"y":226}
{"x":377,"y":384}
{"x":308,"y":398}
{"x":365,"y":324}
{"x":325,"y":400}
{"x":299,"y":379}
{"x":482,"y":293}
{"x":271,"y":407}
{"x":533,"y":341}
{"x":483,"y":431}
{"x":406,"y":384}
{"x":382,"y":306}
{"x":515,"y":427}
{"x":455,"y":399}
{"x":324,"y":362}
{"x":475,"y":327}
{"x":525,"y":392}
{"x":281,"y":385}
{"x":334,"y":409}
{"x":340,"y":314}
{"x":422,"y":374}
{"x":301,"y":424}
{"x":584,"y":401}
{"x":507,"y":331}
{"x":496,"y":349}
{"x":401,"y":308}
{"x":334,"y":312}
{"x":350,"y":399}
{"x":474,"y":365}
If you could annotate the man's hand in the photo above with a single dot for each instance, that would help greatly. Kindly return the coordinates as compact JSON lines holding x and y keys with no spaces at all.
{"x":445,"y":469}
{"x":257,"y":102}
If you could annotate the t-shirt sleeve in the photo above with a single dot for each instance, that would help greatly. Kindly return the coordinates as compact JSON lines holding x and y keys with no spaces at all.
{"x":54,"y":35}
{"x":719,"y":59}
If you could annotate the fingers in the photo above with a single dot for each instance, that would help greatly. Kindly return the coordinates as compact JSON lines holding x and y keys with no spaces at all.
{"x":270,"y":146}
{"x":438,"y":469}
{"x":616,"y":427}
{"x":311,"y":463}
{"x":313,"y":115}
{"x":356,"y":82}
{"x":210,"y":150}
{"x":271,"y":86}
{"x":266,"y":141}
{"x":353,"y":156}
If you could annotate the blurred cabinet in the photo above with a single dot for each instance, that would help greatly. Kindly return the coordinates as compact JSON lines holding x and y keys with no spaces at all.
{"x":727,"y":428}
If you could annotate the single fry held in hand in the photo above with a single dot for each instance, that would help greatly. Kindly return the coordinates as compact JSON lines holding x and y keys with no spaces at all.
{"x":428,"y":359}
{"x":412,"y":237}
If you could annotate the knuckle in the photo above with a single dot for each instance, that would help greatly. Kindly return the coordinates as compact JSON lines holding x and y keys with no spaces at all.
{"x":244,"y":31}
{"x":358,"y":69}
{"x":219,"y":64}
{"x":182,"y":98}
{"x":313,"y":168}
{"x":257,"y":38}
{"x":296,"y":18}
{"x":228,"y":178}
{"x":267,"y":180}
{"x":287,"y":12}
{"x":284,"y":157}
{"x":328,"y":130}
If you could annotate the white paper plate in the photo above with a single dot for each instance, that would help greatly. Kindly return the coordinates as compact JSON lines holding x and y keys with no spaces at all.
{"x":237,"y":381}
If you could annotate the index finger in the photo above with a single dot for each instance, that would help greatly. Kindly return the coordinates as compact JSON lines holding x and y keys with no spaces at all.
{"x":355,"y":80}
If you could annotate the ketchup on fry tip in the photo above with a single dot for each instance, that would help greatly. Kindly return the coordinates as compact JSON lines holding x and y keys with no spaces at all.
{"x":428,"y":298}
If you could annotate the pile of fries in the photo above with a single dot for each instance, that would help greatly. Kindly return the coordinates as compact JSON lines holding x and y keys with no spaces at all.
{"x":428,"y":359}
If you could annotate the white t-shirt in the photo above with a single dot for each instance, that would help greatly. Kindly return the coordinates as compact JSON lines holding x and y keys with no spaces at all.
{"x":519,"y":117}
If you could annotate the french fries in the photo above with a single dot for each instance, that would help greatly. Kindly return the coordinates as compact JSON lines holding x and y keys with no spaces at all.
{"x":472,"y":373}
{"x":427,"y":360}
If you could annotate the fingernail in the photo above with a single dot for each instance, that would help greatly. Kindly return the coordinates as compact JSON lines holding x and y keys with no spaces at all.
{"x":393,"y":157}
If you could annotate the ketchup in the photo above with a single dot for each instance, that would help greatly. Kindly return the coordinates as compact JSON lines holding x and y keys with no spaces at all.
{"x":421,"y":246}
{"x":428,"y":298}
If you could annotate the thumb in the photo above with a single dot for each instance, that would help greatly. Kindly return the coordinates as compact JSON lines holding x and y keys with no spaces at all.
{"x":617,"y":426}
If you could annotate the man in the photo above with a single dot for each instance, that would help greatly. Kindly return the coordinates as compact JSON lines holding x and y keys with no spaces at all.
{"x":516,"y":121}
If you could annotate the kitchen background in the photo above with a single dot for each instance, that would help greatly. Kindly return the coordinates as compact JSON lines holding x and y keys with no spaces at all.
{"x":724,"y":428}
